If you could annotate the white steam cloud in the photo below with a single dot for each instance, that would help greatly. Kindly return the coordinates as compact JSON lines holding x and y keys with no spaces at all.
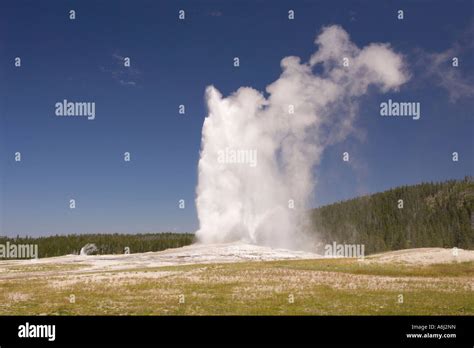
{"x":238,"y":201}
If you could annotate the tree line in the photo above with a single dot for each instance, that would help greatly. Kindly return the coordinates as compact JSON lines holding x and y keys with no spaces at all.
{"x":106,"y":243}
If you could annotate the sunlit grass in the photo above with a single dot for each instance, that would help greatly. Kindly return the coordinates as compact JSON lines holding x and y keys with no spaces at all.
{"x":300,"y":287}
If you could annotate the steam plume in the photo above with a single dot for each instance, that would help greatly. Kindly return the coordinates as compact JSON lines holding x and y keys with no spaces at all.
{"x":238,"y":201}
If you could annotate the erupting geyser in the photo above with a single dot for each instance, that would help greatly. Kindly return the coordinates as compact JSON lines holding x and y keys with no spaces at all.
{"x":258,"y":153}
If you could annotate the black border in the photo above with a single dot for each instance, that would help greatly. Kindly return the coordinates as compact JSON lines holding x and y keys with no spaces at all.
{"x":240,"y":330}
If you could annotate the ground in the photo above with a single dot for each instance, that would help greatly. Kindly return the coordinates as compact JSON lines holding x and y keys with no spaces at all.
{"x":239,"y":279}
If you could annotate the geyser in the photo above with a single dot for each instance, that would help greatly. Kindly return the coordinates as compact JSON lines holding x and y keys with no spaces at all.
{"x":304,"y":112}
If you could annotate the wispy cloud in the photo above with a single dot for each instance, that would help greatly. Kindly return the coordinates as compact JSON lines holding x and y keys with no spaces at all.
{"x":215,"y":13}
{"x":352,"y":16}
{"x":125,"y":76}
{"x":437,"y":67}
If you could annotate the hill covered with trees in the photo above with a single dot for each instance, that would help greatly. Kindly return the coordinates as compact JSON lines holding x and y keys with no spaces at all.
{"x":106,"y":243}
{"x":423,"y":215}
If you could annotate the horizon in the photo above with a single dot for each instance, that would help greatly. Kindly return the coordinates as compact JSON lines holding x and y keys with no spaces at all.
{"x":194,"y":232}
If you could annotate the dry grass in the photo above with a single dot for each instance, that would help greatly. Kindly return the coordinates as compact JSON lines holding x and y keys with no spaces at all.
{"x":298,"y":287}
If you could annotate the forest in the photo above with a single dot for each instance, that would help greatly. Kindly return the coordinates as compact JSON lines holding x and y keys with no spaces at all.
{"x":423,"y":215}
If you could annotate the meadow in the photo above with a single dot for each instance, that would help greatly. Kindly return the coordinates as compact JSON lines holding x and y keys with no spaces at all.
{"x":290,"y":287}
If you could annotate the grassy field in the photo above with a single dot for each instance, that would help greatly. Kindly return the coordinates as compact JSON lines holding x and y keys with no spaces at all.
{"x":299,"y":287}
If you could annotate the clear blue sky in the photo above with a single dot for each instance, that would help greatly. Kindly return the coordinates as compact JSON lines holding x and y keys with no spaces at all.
{"x":172,"y":63}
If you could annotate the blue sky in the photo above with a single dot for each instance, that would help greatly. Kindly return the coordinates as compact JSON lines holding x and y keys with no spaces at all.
{"x":172,"y":62}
